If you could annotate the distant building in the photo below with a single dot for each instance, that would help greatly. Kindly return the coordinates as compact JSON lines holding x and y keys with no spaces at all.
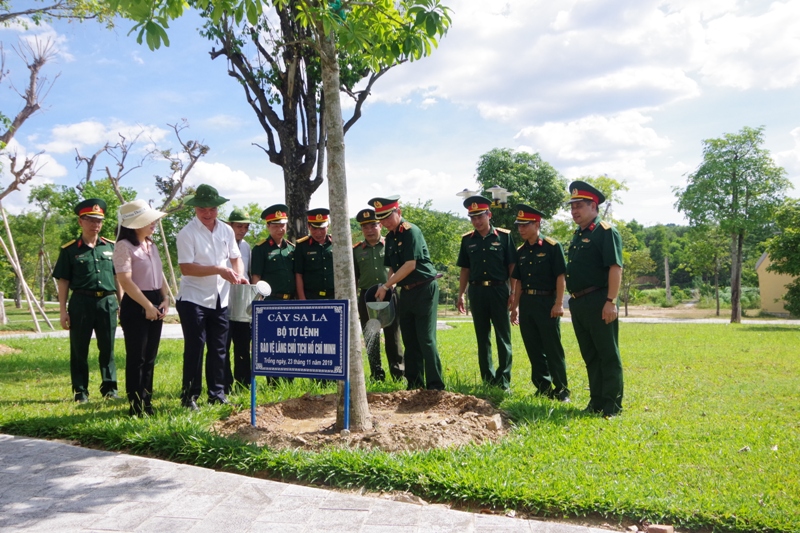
{"x":772,"y":286}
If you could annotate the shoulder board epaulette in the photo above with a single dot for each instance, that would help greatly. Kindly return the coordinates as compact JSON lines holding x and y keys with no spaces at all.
{"x":550,"y":240}
{"x":108,"y":240}
{"x":304,"y":239}
{"x":262,"y":241}
{"x":520,"y":246}
{"x":291,"y":243}
{"x":67,"y":244}
{"x":356,"y":245}
{"x":605,"y":225}
{"x":504,"y":230}
{"x":406,"y":225}
{"x":467,"y":234}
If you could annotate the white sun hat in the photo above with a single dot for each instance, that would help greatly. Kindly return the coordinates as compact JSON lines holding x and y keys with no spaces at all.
{"x":138,"y":214}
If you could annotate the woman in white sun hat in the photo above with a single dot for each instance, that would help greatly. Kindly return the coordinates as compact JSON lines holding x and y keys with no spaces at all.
{"x":140,"y":274}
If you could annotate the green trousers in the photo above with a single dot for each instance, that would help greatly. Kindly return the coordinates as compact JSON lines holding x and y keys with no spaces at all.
{"x":86,"y":315}
{"x":541,"y":334}
{"x":416,"y":313}
{"x":599,"y":344}
{"x":489,"y":307}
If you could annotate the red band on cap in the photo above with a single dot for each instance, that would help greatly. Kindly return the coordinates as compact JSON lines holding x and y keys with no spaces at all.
{"x":585,"y":195}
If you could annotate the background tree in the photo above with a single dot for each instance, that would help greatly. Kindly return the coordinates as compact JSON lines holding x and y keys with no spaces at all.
{"x":637,"y":263}
{"x":784,"y":251}
{"x":532,"y":180}
{"x":277,"y":65}
{"x":706,"y":254}
{"x":737,"y":186}
{"x":611,"y":189}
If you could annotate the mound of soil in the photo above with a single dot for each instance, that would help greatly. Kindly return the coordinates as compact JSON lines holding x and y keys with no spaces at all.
{"x":402,"y":420}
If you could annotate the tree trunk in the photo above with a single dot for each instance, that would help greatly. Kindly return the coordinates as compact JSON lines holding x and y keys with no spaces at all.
{"x":3,"y":317}
{"x":737,"y":244}
{"x":344,"y":273}
{"x":667,"y":289}
{"x":18,"y":294}
{"x":173,"y":281}
{"x":299,"y":189}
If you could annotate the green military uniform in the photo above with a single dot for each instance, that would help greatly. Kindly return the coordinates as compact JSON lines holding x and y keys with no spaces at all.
{"x":370,"y":270}
{"x":92,"y":306}
{"x":488,"y":260}
{"x":274,"y":264}
{"x":591,"y":254}
{"x":538,"y":267}
{"x":314,"y":261}
{"x":418,"y":300}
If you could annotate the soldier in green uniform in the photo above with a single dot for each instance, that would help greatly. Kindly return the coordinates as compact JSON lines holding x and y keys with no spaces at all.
{"x":539,"y":281}
{"x":368,"y":258}
{"x":411,"y":269}
{"x":85,"y":266}
{"x":487,"y":257}
{"x":313,"y":259}
{"x":594,"y":274}
{"x":273,"y":258}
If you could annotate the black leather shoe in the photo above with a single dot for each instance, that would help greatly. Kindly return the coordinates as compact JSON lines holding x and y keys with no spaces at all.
{"x":81,"y":398}
{"x":190,"y":405}
{"x":218,"y":401}
{"x":111,"y":395}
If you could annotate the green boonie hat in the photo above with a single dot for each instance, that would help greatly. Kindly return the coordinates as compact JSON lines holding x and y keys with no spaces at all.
{"x":366,"y":216}
{"x":526,"y":214}
{"x":385,"y":206}
{"x":580,"y":190}
{"x":237,"y":215}
{"x":92,"y":208}
{"x":205,"y":196}
{"x":319,"y":217}
{"x":477,"y":205}
{"x":276,"y":214}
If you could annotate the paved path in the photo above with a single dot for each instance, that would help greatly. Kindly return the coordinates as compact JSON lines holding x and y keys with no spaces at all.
{"x":51,"y":487}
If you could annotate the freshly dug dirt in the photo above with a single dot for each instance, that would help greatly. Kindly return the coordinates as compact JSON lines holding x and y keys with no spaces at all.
{"x":402,"y":420}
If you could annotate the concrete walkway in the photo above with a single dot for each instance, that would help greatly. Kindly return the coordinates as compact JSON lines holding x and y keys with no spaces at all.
{"x":52,"y":487}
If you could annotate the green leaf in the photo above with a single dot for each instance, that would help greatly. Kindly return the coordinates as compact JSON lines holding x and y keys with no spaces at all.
{"x":430,"y":26}
{"x":252,"y":12}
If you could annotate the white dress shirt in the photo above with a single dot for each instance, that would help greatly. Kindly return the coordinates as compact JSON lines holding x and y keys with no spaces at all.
{"x":197,"y":244}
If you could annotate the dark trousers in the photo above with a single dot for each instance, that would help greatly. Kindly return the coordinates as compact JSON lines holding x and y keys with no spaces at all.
{"x":417,"y":316}
{"x":142,"y":338}
{"x":541,"y":334}
{"x":88,"y":314}
{"x":239,"y":334}
{"x":489,"y":307}
{"x":203,"y":328}
{"x":394,"y":346}
{"x":599,"y":344}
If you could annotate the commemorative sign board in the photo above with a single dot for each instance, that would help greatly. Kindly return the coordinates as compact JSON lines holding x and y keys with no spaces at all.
{"x":301,"y":338}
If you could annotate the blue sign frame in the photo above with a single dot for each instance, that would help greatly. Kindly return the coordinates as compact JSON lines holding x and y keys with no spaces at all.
{"x":302,"y":339}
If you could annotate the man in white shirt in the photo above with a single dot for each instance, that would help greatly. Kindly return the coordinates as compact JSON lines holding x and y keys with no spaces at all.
{"x":239,"y":334}
{"x":205,"y":245}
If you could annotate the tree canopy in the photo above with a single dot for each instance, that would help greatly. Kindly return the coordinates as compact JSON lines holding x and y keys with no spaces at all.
{"x":532,"y":180}
{"x":738,"y":187}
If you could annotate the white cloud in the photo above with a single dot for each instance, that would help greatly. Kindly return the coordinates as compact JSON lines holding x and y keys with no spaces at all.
{"x":595,"y":138}
{"x":94,"y":135}
{"x":532,"y":60}
{"x":236,"y":185}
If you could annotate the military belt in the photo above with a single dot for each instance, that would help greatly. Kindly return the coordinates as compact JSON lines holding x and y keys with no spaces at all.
{"x":93,"y":294}
{"x":584,"y":292}
{"x":537,"y":292}
{"x":282,"y":295}
{"x":417,"y":284}
{"x":487,"y":283}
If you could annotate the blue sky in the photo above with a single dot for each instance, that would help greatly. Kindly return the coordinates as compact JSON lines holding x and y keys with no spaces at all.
{"x":628,"y":88}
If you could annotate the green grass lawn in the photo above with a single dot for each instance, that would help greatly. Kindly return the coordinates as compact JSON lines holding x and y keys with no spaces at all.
{"x":709,"y":438}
